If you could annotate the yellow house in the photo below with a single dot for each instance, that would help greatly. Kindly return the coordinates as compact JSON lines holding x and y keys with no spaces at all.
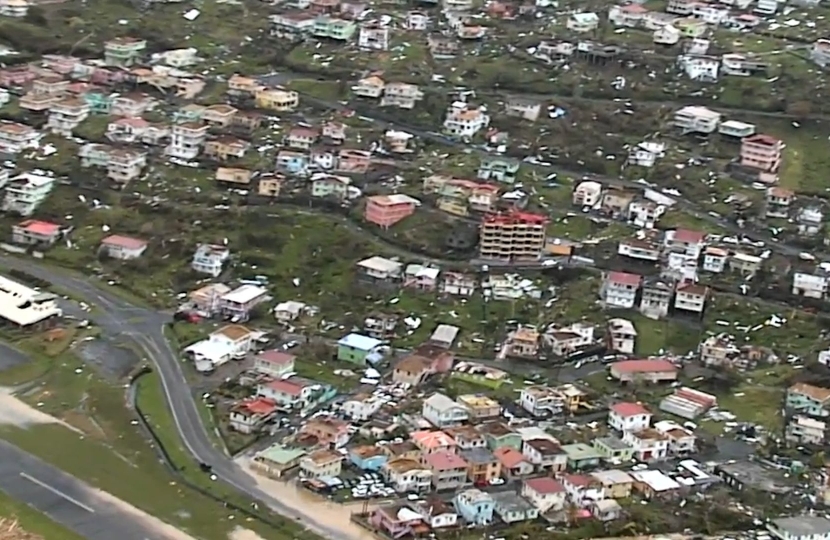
{"x":277,"y":100}
{"x":574,"y":397}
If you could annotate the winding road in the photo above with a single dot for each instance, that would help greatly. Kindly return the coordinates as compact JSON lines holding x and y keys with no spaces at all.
{"x":145,"y":328}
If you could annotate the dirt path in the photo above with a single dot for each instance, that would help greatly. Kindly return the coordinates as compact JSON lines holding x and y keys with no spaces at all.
{"x":312,"y":508}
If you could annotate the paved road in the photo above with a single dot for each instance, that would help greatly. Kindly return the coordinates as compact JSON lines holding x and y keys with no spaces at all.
{"x":117,"y":317}
{"x":67,"y":500}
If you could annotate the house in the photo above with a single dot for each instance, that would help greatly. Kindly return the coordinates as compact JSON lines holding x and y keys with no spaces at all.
{"x":441,"y":411}
{"x":615,"y":483}
{"x":714,"y":259}
{"x":464,"y":122}
{"x":420,"y":277}
{"x":328,"y":430}
{"x":458,"y":284}
{"x":691,"y":298}
{"x":277,"y":100}
{"x":26,"y":307}
{"x":358,"y":349}
{"x":437,"y":513}
{"x":479,"y":406}
{"x":123,"y":247}
{"x":276,"y":460}
{"x":25,"y":192}
{"x":685,"y":241}
{"x":475,"y":506}
{"x":644,"y":213}
{"x":582,"y":489}
{"x":805,"y":430}
{"x":738,"y":130}
{"x":761,"y":152}
{"x":14,"y":8}
{"x":186,"y":140}
{"x":401,"y":95}
{"x":512,"y":236}
{"x":131,"y":105}
{"x":745,"y":264}
{"x":643,"y":370}
{"x":513,"y":508}
{"x":621,"y":336}
{"x":330,"y":185}
{"x":666,"y":35}
{"x":482,"y":465}
{"x":353,"y":161}
{"x":587,"y":194}
{"x":291,"y":310}
{"x":499,"y":169}
{"x":274,"y":363}
{"x":541,"y":401}
{"x":123,"y":51}
{"x":269,"y":185}
{"x":628,"y":416}
{"x":513,"y":463}
{"x":800,"y":528}
{"x":619,"y":289}
{"x":231,"y":342}
{"x":656,"y":298}
{"x":466,"y":437}
{"x":368,"y":457}
{"x":808,"y":399}
{"x":301,"y":138}
{"x":294,"y":392}
{"x":387,"y":210}
{"x":206,"y":299}
{"x":431,"y":442}
{"x":544,"y":454}
{"x":546,"y":494}
{"x":681,"y":441}
{"x":333,"y":28}
{"x":417,"y":21}
{"x":526,"y":109}
{"x":378,"y":271}
{"x":407,"y":475}
{"x":449,"y":470}
{"x":581,"y":456}
{"x":499,"y":435}
{"x":230,"y":175}
{"x":238,"y":303}
{"x":688,"y":403}
{"x":694,"y":119}
{"x":444,"y":336}
{"x":369,"y":87}
{"x":653,"y":484}
{"x":648,"y":444}
{"x":613,"y":449}
{"x":809,"y":220}
{"x":225,"y":148}
{"x":582,"y":22}
{"x":615,"y":202}
{"x":66,"y":115}
{"x":292,"y":162}
{"x":209,"y":259}
{"x":412,"y":370}
{"x":14,"y":137}
{"x":606,"y":510}
{"x":820,"y":53}
{"x":361,"y":407}
{"x":322,"y":463}
{"x":398,"y":521}
{"x":810,"y":285}
{"x":380,"y":326}
{"x":32,"y":232}
{"x":629,"y":15}
{"x":523,"y":343}
{"x":249,"y":416}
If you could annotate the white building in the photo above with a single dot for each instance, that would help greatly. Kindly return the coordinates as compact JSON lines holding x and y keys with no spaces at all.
{"x":461,"y":121}
{"x":619,"y":289}
{"x":648,"y":444}
{"x":583,"y":22}
{"x":209,"y":258}
{"x":629,"y":15}
{"x":666,"y":35}
{"x":25,"y":192}
{"x":587,"y":194}
{"x":739,"y":130}
{"x":626,"y":417}
{"x":417,"y":21}
{"x":186,"y":140}
{"x":14,"y":8}
{"x":361,"y":407}
{"x":800,"y":528}
{"x":810,"y":285}
{"x":700,"y":68}
{"x":23,"y":306}
{"x":766,"y":7}
{"x":441,"y":411}
{"x":123,"y":247}
{"x":622,"y":336}
{"x":374,"y":37}
{"x":66,"y":115}
{"x":646,"y":154}
{"x":694,"y":119}
{"x":714,"y":260}
{"x":820,"y":53}
{"x":232,"y":342}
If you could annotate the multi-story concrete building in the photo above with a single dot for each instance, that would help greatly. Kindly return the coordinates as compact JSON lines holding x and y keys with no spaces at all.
{"x":761,"y":152}
{"x":186,"y":140}
{"x":25,"y":192}
{"x":512,"y":236}
{"x":66,"y":115}
{"x":15,"y":138}
{"x":124,"y":51}
{"x":697,"y":120}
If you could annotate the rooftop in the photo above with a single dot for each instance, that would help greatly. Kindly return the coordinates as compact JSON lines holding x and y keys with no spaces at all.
{"x":359,"y":342}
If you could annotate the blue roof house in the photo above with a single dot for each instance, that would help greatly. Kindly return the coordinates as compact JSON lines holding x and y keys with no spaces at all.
{"x":475,"y":506}
{"x":358,"y":349}
{"x":368,"y":458}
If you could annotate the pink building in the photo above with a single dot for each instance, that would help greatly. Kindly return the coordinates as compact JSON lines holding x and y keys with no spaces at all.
{"x":386,"y":210}
{"x":761,"y":152}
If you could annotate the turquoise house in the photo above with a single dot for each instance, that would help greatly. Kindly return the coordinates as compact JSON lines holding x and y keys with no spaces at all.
{"x":358,"y":349}
{"x":582,"y":456}
{"x":368,"y":458}
{"x":475,"y":506}
{"x":99,"y":102}
{"x":499,"y":169}
{"x":808,"y":399}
